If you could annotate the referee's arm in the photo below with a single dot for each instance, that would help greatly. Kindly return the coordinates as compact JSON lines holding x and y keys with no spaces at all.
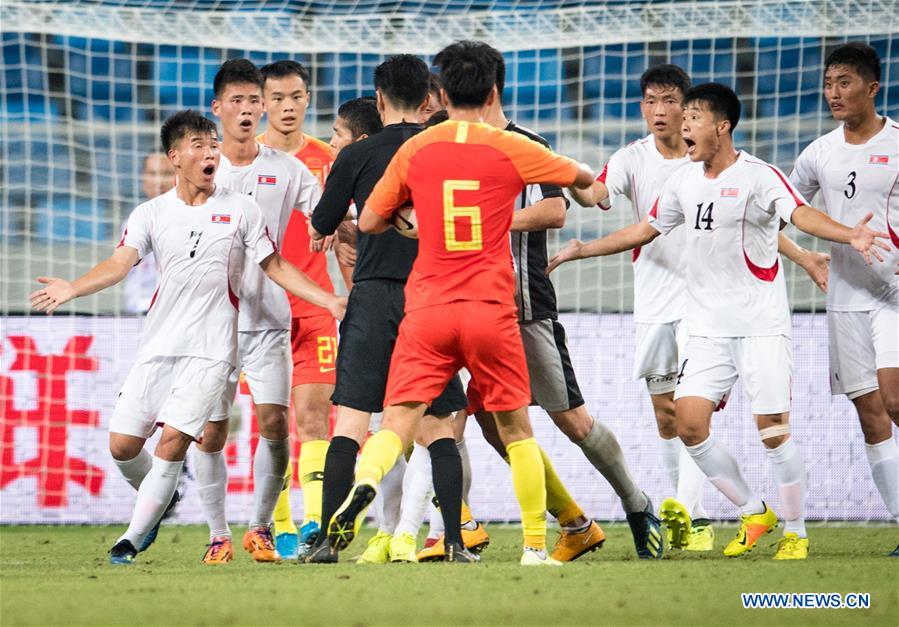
{"x":335,"y":201}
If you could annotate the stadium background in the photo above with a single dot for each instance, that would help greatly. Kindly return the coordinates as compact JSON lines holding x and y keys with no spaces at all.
{"x":85,"y":86}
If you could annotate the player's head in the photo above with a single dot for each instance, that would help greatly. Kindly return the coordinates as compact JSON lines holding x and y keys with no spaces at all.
{"x":356,"y":119}
{"x":663,"y":88}
{"x":711,"y":113}
{"x":286,"y":93}
{"x":433,"y":103}
{"x":191,"y":143}
{"x":851,"y":80}
{"x":401,"y":82}
{"x":468,"y":73}
{"x":238,"y":99}
{"x":158,"y":175}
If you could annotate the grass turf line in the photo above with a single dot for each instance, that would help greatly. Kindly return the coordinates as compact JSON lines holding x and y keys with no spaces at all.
{"x":61,"y":575}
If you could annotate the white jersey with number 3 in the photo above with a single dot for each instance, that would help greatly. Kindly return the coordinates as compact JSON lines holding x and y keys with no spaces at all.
{"x":280,"y":184}
{"x":639,"y":171}
{"x":856,"y":179}
{"x":735,"y":285}
{"x":202,"y":253}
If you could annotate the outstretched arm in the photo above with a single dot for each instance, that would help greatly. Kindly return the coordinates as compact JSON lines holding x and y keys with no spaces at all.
{"x":860,"y":237}
{"x":592,"y":196}
{"x":624,"y":239}
{"x":548,"y":213}
{"x":297,"y":283}
{"x":814,"y":263}
{"x":105,"y":274}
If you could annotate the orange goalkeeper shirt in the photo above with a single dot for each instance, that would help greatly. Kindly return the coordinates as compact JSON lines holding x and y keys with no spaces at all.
{"x":463,"y":179}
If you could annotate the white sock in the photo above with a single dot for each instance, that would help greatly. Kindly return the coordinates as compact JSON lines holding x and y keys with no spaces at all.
{"x":269,"y":465}
{"x":883,"y":458}
{"x":417,"y":491}
{"x":390,"y":497}
{"x":720,"y":467}
{"x":466,"y":469}
{"x":691,"y":481}
{"x":212,"y":483}
{"x":153,"y":497}
{"x":435,"y":523}
{"x":789,"y":470}
{"x":671,"y":450}
{"x":134,"y":470}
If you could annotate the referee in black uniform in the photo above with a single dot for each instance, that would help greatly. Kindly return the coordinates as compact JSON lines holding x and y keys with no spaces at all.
{"x":369,"y":330}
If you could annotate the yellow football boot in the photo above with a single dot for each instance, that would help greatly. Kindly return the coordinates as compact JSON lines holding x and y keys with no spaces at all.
{"x":402,"y":548}
{"x":677,"y":521}
{"x":752,"y":527}
{"x":792,"y":547}
{"x":702,"y":536}
{"x":475,"y":540}
{"x":377,"y":551}
{"x":572,"y":544}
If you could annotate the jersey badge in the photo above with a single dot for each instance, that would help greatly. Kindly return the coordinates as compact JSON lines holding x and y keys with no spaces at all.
{"x":221,"y":218}
{"x":730,"y":192}
{"x":265,"y":179}
{"x":879,"y":159}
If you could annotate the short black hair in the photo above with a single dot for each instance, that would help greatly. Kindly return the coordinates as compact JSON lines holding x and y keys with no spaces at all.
{"x":434,"y":85}
{"x":468,"y":71}
{"x":719,"y":99}
{"x":859,"y":56}
{"x":179,"y":125}
{"x":438,"y":117}
{"x":665,"y":75}
{"x":361,"y":116}
{"x":285,"y":68}
{"x":403,"y":79}
{"x":236,"y":71}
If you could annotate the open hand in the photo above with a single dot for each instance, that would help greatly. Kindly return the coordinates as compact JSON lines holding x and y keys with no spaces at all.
{"x":57,"y":292}
{"x":867,"y":241}
{"x":816,"y":266}
{"x":569,"y":253}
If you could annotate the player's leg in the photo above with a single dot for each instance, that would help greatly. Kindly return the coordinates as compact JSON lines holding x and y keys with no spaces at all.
{"x":708,"y":371}
{"x":211,"y":470}
{"x":418,"y":488}
{"x":388,"y":509}
{"x":884,"y":457}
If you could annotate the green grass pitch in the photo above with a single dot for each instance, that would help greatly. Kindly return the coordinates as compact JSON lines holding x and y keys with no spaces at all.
{"x":60,"y":575}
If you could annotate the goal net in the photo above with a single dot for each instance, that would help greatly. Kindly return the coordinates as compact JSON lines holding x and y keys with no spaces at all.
{"x":86,"y":85}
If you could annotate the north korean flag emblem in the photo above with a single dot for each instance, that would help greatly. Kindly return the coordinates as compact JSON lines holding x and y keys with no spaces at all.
{"x":879,"y":159}
{"x":221,"y":218}
{"x":265,"y":179}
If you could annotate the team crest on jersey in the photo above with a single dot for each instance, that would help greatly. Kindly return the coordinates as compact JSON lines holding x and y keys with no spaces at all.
{"x":730,"y":192}
{"x":221,"y":218}
{"x":265,"y":179}
{"x":879,"y":159}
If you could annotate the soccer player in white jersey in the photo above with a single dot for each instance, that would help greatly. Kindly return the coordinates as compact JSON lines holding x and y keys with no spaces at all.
{"x":639,"y":172}
{"x":204,"y":238}
{"x":738,"y":320}
{"x":280,"y":184}
{"x":856,"y":168}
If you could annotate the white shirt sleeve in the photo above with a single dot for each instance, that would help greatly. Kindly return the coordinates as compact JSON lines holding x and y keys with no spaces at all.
{"x":777,"y":194}
{"x":137,"y":232}
{"x":256,"y":240}
{"x":804,"y":177}
{"x":667,"y":212}
{"x":616,"y":176}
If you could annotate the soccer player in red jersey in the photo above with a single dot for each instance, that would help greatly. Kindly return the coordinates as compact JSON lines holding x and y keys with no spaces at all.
{"x":463,"y":177}
{"x":313,"y":332}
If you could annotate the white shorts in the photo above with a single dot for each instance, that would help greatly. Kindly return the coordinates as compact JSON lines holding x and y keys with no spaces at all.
{"x":860,"y":344}
{"x":181,"y":392}
{"x":655,"y":359}
{"x":266,"y":363}
{"x":711,"y":365}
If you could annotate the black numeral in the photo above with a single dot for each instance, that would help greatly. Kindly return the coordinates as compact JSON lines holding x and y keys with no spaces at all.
{"x":197,"y":235}
{"x":704,"y":216}
{"x":849,"y":192}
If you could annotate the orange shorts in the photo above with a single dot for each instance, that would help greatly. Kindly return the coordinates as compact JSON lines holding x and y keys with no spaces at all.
{"x":435,"y":342}
{"x":313,"y":342}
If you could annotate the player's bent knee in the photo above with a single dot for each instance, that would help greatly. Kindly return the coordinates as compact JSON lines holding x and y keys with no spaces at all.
{"x":273,"y":421}
{"x":775,"y":435}
{"x":125,"y":447}
{"x":574,"y":423}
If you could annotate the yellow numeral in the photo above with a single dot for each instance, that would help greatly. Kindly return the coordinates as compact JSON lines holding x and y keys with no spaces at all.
{"x":451,"y":213}
{"x":327,"y":349}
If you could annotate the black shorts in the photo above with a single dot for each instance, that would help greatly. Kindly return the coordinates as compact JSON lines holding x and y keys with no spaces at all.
{"x":553,"y":382}
{"x":367,"y":336}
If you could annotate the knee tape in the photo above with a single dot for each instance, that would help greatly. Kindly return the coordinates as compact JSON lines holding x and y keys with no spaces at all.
{"x":774,"y":432}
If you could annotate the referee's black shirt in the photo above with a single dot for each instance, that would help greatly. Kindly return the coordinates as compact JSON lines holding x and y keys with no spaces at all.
{"x":352,"y":178}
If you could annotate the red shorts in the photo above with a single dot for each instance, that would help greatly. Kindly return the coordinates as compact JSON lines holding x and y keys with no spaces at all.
{"x":313,"y":341}
{"x":435,"y":342}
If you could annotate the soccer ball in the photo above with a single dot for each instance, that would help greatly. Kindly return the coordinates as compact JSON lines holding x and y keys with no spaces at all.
{"x":405,"y":222}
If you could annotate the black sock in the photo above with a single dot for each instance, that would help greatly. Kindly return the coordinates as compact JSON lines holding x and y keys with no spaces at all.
{"x":446,"y":472}
{"x":340,"y":468}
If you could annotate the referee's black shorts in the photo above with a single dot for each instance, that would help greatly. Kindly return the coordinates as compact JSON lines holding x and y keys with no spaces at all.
{"x":367,"y":336}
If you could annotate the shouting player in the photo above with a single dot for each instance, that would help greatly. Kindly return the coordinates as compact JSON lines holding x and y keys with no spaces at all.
{"x":368,"y":333}
{"x":281,"y":186}
{"x":204,"y":236}
{"x":463,"y":177}
{"x":738,"y":319}
{"x":639,"y":172}
{"x":313,"y":331}
{"x":856,"y":168}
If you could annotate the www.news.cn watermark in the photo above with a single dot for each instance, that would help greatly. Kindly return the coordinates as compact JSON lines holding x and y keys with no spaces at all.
{"x":805,"y":600}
